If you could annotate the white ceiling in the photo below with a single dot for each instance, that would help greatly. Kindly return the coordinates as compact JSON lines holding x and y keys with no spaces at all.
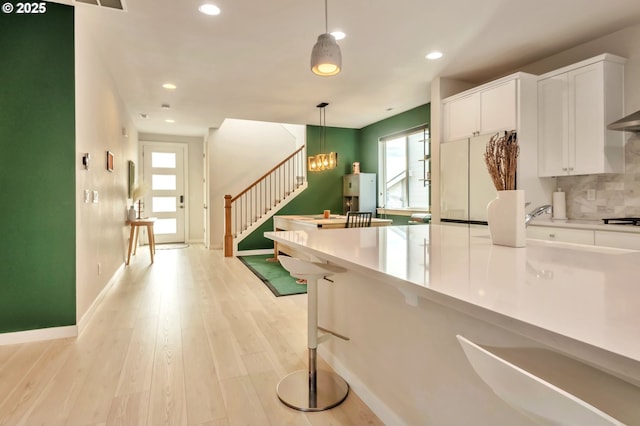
{"x":252,"y":61}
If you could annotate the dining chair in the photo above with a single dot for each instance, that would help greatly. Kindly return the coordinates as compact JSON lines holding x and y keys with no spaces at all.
{"x":358,"y":219}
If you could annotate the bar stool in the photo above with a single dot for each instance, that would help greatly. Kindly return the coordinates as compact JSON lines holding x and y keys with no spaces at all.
{"x":531,"y":395}
{"x":312,"y":390}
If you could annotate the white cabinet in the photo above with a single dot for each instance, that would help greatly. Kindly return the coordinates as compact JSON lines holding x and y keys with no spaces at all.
{"x":566,"y":235}
{"x":618,"y":239}
{"x":509,"y":103}
{"x":615,"y":239}
{"x":575,"y":104}
{"x":487,"y":109}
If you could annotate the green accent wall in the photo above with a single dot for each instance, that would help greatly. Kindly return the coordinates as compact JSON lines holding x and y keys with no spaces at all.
{"x":37,"y":169}
{"x":325,"y":188}
{"x":370,"y":134}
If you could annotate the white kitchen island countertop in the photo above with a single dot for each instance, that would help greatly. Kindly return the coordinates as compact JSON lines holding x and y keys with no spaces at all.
{"x":580,"y":296}
{"x":408,"y":291}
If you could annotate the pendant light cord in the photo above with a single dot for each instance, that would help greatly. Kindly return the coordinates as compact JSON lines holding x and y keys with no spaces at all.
{"x":322,"y":129}
{"x":326,"y":18}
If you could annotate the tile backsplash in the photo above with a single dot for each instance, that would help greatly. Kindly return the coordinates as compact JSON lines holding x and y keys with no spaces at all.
{"x":617,"y":195}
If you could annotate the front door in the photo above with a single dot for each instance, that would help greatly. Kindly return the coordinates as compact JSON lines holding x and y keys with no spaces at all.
{"x":164,"y":172}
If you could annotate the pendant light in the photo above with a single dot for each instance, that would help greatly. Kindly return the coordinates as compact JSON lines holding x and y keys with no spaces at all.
{"x":322,"y":161}
{"x":326,"y":58}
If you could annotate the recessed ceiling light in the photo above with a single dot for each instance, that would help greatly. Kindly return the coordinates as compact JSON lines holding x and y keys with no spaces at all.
{"x":338,"y":35}
{"x":169,"y":120}
{"x":169,"y":86}
{"x":434,"y":55}
{"x":209,"y":9}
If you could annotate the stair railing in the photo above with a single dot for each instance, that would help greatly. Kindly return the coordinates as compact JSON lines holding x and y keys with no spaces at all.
{"x":250,"y":205}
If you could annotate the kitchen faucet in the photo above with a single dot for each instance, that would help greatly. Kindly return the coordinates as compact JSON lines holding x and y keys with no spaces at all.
{"x":537,"y":212}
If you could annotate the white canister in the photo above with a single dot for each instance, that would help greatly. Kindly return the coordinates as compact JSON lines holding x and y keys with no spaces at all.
{"x":559,"y":205}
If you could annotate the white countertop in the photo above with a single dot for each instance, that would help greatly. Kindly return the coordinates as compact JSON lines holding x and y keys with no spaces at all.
{"x":586,"y":293}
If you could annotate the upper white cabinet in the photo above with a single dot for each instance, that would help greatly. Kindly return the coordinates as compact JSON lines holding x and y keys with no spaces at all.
{"x":575,"y":104}
{"x":508,"y":103}
{"x":486,"y":109}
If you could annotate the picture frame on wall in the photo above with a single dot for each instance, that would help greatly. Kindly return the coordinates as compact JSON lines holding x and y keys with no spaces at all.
{"x":132,"y":177}
{"x":109,"y":161}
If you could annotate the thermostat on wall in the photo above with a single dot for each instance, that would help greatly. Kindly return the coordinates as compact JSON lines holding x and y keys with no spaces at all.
{"x":85,"y":160}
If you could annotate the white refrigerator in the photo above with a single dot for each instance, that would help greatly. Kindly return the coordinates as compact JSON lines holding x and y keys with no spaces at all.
{"x":359,"y":193}
{"x":465,"y":185}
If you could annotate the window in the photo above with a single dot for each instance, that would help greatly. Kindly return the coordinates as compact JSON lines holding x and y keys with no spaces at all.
{"x":405,"y":170}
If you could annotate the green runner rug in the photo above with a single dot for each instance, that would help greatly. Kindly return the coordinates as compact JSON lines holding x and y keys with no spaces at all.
{"x":273,"y":275}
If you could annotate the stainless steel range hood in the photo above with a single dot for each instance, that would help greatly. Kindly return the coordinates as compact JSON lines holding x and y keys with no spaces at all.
{"x":630,"y":123}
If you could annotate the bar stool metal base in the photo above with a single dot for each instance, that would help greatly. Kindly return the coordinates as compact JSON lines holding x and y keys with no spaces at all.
{"x":295,"y":391}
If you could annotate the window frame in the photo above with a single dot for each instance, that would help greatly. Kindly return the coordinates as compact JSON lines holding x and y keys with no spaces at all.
{"x":382,"y":167}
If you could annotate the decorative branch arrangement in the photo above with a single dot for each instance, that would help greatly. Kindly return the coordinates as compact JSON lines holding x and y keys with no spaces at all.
{"x":501,"y":158}
{"x":137,"y":194}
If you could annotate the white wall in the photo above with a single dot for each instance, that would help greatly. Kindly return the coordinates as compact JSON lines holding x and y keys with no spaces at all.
{"x":195,"y":175}
{"x":101,"y":233}
{"x":240,"y":152}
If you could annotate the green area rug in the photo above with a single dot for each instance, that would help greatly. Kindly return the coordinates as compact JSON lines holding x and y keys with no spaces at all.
{"x":273,"y":275}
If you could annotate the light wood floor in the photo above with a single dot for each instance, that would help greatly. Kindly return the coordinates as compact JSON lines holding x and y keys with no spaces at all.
{"x":194,"y":339}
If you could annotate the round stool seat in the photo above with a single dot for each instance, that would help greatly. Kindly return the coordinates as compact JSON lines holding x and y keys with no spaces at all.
{"x":302,"y":269}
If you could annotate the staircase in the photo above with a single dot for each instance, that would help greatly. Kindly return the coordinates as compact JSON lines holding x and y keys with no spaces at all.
{"x":253,"y":206}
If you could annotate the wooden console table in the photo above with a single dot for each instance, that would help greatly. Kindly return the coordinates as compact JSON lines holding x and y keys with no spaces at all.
{"x":133,"y":235}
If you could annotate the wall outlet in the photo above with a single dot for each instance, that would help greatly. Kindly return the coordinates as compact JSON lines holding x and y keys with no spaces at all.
{"x":87,"y":195}
{"x":95,"y":196}
{"x":99,"y":269}
{"x":591,"y":194}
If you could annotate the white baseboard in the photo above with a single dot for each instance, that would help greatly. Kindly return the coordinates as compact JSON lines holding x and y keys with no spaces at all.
{"x":82,"y":323}
{"x":39,"y":334}
{"x":254,"y":252}
{"x":379,"y":408}
{"x":50,"y":333}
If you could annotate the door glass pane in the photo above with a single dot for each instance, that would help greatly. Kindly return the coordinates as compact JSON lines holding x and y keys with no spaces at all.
{"x":165,"y":226}
{"x":163,"y":159}
{"x":163,"y":182}
{"x":163,"y":204}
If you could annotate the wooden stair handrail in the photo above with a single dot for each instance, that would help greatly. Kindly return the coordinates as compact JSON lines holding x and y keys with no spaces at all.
{"x":273,"y":169}
{"x":229,"y":200}
{"x":228,"y":236}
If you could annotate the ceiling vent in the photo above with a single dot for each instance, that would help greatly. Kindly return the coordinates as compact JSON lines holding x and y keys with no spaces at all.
{"x":111,"y":4}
